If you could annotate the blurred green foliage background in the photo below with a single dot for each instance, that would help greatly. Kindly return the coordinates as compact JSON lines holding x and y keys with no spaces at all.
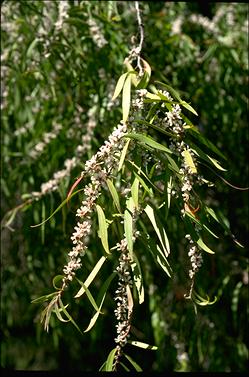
{"x":56,"y":75}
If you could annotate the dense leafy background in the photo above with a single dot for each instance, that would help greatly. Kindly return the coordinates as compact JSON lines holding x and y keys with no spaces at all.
{"x":43,"y":81}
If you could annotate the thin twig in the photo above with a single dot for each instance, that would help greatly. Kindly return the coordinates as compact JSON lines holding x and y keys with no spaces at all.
{"x":141,"y":31}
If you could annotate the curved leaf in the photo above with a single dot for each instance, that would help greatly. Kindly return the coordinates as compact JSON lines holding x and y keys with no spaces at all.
{"x":100,"y":301}
{"x":119,"y":85}
{"x":110,"y":360}
{"x":114,"y":194}
{"x":133,"y":363}
{"x":103,"y":234}
{"x":126,"y":98}
{"x":148,"y":141}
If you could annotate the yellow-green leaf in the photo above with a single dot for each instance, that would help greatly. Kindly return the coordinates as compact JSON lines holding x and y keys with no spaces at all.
{"x":216,"y":164}
{"x":91,"y":276}
{"x":114,"y":194}
{"x":103,"y":229}
{"x":119,"y":85}
{"x":188,"y":107}
{"x":126,"y":98}
{"x":123,"y":154}
{"x":110,"y":360}
{"x":189,"y":161}
{"x":203,"y":246}
{"x":142,"y":345}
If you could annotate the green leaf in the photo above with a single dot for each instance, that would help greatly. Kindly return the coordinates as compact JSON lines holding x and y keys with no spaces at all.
{"x":203,"y":246}
{"x":202,"y":301}
{"x":188,"y":107}
{"x":156,"y":252}
{"x":100,"y":300}
{"x":58,"y":314}
{"x":102,"y":368}
{"x":56,"y":279}
{"x":110,"y":360}
{"x":134,"y":191}
{"x":138,"y":279}
{"x":68,"y":315}
{"x":140,"y":171}
{"x":103,"y":228}
{"x":31,"y":47}
{"x":198,"y":136}
{"x":91,"y":276}
{"x":89,"y":295}
{"x":43,"y":298}
{"x":57,"y":209}
{"x":142,"y":84}
{"x":150,"y":192}
{"x":124,"y":366}
{"x":123,"y":154}
{"x":142,"y":345}
{"x":128,"y":228}
{"x":126,"y":98}
{"x":160,"y":231}
{"x":189,"y":161}
{"x":216,"y":164}
{"x":152,"y":96}
{"x":162,"y":261}
{"x":133,"y":363}
{"x":119,"y":85}
{"x":142,"y":121}
{"x":172,"y":91}
{"x":148,"y":141}
{"x":114,"y":194}
{"x":206,"y":157}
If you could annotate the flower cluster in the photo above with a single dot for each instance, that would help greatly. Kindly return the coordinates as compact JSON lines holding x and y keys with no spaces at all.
{"x":63,"y":14}
{"x":70,"y":164}
{"x":122,"y":312}
{"x":46,"y":139}
{"x":107,"y":155}
{"x":195,"y":257}
{"x":96,"y":34}
{"x":172,"y":121}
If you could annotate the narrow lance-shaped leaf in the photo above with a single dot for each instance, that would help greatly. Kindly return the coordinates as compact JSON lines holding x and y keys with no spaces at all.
{"x":114,"y":194}
{"x":216,"y":164}
{"x":189,"y":161}
{"x":134,"y":191}
{"x":126,"y":98}
{"x":142,"y":345}
{"x":138,"y":279}
{"x":89,"y":295}
{"x":123,"y":154}
{"x":128,"y":226}
{"x":91,"y":276}
{"x":203,"y":246}
{"x":119,"y":85}
{"x":149,"y":141}
{"x":129,"y":298}
{"x":160,"y":231}
{"x":133,"y":363}
{"x":68,"y":315}
{"x":103,"y":234}
{"x":188,"y":107}
{"x":100,"y":300}
{"x":170,"y":90}
{"x":110,"y":360}
{"x":57,"y":209}
{"x":58,"y":314}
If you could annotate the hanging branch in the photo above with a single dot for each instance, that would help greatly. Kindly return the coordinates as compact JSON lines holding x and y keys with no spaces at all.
{"x":136,"y":51}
